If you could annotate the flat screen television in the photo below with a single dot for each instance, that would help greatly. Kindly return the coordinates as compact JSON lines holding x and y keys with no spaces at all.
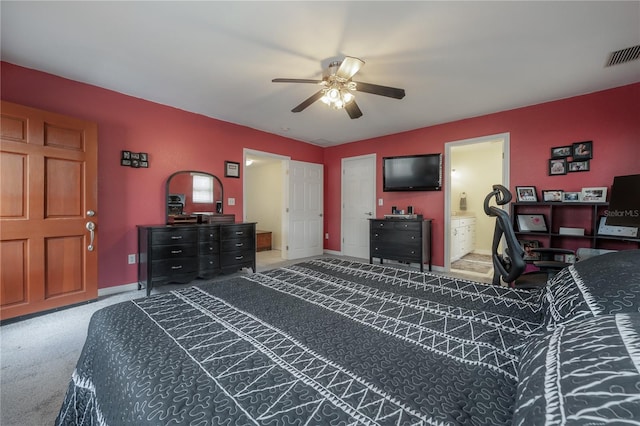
{"x":412,"y":173}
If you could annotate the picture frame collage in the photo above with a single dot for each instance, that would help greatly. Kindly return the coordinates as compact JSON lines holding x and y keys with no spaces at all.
{"x":528,"y":194}
{"x":571,"y":158}
{"x":134,"y":159}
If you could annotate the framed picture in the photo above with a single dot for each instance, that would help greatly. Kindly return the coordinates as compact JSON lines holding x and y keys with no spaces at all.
{"x":578,"y":166}
{"x":582,"y":150}
{"x":528,"y":246}
{"x":561,"y":151}
{"x":532,"y":223}
{"x":552,"y":195}
{"x":571,"y":197}
{"x":594,"y":195}
{"x":526,"y":194}
{"x":231,"y":169}
{"x":557,"y":166}
{"x":615,"y":230}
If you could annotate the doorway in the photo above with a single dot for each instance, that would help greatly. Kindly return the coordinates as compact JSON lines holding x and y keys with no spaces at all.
{"x":473,"y":167}
{"x":285,"y":199}
{"x":263,"y":188}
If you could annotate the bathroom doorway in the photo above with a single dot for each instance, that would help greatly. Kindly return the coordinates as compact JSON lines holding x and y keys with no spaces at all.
{"x":473,"y":166}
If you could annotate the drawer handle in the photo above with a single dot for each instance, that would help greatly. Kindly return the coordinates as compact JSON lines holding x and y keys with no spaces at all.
{"x":413,"y":237}
{"x":177,"y":267}
{"x":239,"y":244}
{"x":239,"y":232}
{"x":239,"y":257}
{"x":381,"y":225}
{"x":176,"y":237}
{"x":176,"y":251}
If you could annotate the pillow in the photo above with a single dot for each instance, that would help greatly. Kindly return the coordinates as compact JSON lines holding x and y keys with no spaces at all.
{"x":581,"y":373}
{"x":606,"y":284}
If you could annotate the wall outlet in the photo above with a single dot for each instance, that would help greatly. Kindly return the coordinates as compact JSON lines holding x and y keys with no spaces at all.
{"x":232,"y":201}
{"x":379,"y":201}
{"x":132,"y":259}
{"x":326,"y":236}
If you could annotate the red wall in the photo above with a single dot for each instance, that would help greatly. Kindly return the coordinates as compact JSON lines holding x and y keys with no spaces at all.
{"x":611,"y":119}
{"x":178,"y":140}
{"x":174,"y":139}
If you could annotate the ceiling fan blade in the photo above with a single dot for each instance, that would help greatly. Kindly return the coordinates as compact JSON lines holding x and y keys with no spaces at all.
{"x":295,"y":80}
{"x":349,"y":67}
{"x":308,"y":101}
{"x":353,"y":110}
{"x":390,"y":92}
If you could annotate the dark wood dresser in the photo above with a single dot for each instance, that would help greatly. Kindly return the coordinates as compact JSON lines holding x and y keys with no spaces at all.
{"x":182,"y":253}
{"x":404,"y":240}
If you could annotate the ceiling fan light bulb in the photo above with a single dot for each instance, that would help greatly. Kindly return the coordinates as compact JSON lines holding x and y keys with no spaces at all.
{"x":347,"y":97}
{"x":333,"y":94}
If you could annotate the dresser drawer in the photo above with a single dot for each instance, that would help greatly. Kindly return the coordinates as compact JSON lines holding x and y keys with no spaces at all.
{"x":405,"y":253}
{"x":208,"y":248}
{"x":209,"y":233}
{"x":392,"y":237}
{"x":173,"y":251}
{"x":171,"y":267}
{"x":228,"y":232}
{"x":397,"y":225}
{"x":208,"y":265}
{"x":173,"y":236}
{"x":236,"y":257}
{"x":237,"y":244}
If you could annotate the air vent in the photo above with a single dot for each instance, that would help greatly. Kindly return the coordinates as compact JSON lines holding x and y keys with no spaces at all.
{"x":624,"y":55}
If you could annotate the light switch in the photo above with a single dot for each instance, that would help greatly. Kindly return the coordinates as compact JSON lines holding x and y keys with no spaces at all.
{"x":232,"y":201}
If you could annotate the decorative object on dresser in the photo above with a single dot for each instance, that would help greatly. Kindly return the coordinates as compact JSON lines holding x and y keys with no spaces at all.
{"x":405,"y":240}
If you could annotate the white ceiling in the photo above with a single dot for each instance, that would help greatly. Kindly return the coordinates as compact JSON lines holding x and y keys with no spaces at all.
{"x":454,"y":59}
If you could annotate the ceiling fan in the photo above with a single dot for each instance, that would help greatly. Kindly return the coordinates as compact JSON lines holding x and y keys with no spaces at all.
{"x":337,"y":87}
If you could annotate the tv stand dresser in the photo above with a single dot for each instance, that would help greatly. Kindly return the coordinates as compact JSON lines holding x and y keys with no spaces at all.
{"x":182,"y":253}
{"x":402,"y":239}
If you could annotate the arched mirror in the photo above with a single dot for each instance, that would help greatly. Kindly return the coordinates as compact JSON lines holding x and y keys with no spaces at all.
{"x":191,"y":195}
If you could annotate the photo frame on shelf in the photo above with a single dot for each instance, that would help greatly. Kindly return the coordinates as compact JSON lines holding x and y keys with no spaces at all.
{"x":578,"y":166}
{"x":552,"y":195}
{"x":582,"y":150}
{"x":231,"y":169}
{"x":526,"y":194}
{"x":571,"y":197}
{"x":615,"y":230}
{"x":532,"y":223}
{"x":594,"y":195}
{"x":527,"y":246}
{"x":561,"y":151}
{"x":557,"y":166}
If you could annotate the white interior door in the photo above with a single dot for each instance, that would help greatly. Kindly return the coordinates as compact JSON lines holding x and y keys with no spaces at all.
{"x":358,"y":204}
{"x":305,"y":210}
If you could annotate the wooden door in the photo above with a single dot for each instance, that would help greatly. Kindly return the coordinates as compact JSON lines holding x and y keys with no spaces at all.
{"x":48,"y":188}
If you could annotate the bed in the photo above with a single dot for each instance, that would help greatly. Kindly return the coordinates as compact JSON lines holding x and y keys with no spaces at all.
{"x":331,"y":341}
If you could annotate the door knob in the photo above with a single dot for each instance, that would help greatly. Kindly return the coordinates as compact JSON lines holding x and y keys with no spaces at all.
{"x":91,"y":213}
{"x":369,"y":213}
{"x":91,"y":227}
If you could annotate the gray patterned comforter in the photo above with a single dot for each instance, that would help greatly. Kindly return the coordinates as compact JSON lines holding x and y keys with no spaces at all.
{"x":323,"y":342}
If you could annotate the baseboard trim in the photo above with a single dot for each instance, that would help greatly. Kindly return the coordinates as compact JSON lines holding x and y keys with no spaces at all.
{"x":333,"y":252}
{"x":107,"y":291}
